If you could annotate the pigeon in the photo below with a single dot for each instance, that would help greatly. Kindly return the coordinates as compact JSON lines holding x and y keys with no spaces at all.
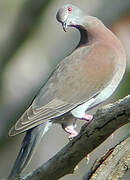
{"x":81,"y":81}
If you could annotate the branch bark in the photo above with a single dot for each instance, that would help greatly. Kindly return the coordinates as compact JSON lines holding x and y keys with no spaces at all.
{"x":105,"y":122}
{"x":113,"y":165}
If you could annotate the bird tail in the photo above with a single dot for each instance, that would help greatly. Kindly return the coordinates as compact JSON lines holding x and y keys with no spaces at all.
{"x":29,"y":144}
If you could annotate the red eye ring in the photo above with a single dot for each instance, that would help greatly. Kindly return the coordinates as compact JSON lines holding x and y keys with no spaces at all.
{"x":69,"y":9}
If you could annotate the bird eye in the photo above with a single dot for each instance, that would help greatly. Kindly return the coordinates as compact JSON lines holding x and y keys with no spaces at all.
{"x":69,"y":9}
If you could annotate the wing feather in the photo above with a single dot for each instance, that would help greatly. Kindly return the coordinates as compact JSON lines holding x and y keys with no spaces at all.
{"x":33,"y":117}
{"x":64,"y":91}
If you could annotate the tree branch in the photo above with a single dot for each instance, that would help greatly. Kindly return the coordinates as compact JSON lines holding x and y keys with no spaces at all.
{"x":113,"y":165}
{"x":105,"y":122}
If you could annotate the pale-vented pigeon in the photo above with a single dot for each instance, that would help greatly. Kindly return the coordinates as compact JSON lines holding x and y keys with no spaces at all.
{"x":81,"y":81}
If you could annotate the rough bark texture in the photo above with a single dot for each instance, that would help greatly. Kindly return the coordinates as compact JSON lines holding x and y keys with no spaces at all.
{"x":113,"y":165}
{"x":105,"y":122}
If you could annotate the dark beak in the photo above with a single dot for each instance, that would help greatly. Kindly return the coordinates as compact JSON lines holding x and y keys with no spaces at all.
{"x":64,"y":26}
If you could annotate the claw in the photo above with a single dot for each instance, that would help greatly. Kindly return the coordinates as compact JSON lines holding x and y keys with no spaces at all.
{"x":71,"y":131}
{"x":87,"y":117}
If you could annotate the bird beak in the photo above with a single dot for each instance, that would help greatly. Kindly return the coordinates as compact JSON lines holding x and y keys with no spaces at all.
{"x":64,"y":25}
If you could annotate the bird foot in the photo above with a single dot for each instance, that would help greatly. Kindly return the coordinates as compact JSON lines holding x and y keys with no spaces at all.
{"x":88,"y":118}
{"x":71,"y":131}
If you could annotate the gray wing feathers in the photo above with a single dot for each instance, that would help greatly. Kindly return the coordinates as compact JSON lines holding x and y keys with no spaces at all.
{"x":35,"y":116}
{"x":64,"y":91}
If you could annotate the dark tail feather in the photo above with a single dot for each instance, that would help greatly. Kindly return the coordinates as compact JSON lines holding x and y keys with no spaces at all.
{"x":28,"y":147}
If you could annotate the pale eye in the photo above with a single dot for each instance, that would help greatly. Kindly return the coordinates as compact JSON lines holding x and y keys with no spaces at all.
{"x":69,"y":9}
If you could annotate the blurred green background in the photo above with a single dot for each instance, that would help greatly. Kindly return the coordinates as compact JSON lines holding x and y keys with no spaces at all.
{"x":31,"y":44}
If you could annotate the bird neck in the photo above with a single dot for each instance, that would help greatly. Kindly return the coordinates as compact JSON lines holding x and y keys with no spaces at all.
{"x":98,"y":30}
{"x":92,"y":29}
{"x":84,"y":37}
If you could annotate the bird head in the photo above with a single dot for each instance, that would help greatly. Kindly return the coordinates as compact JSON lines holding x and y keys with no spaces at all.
{"x":69,"y":15}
